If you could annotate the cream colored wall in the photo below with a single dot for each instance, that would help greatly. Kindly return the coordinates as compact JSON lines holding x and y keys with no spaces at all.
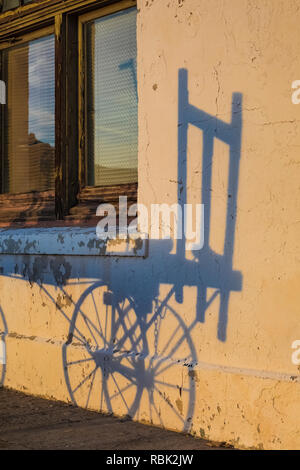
{"x":243,"y":389}
{"x":251,"y":48}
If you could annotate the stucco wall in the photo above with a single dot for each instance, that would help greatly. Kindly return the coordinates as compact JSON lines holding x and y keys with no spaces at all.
{"x":222,"y":72}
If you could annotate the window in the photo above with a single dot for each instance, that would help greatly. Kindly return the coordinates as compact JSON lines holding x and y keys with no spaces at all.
{"x":29,"y":139}
{"x":111,"y":91}
{"x":69,"y":128}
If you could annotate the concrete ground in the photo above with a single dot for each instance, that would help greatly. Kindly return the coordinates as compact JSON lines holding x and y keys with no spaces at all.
{"x":28,"y":422}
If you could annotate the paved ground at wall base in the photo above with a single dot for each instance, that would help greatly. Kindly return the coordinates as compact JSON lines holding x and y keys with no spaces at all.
{"x":27,"y":422}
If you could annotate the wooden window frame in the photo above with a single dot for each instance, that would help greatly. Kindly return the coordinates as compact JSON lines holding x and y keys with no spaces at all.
{"x":74,"y":202}
{"x":90,"y":197}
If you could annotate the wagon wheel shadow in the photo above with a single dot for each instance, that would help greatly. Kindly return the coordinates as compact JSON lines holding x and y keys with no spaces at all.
{"x":108,"y":367}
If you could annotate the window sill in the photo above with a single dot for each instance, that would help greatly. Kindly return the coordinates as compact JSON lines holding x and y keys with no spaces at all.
{"x":66,"y":241}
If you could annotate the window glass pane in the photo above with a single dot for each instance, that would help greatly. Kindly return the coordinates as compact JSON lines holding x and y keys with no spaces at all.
{"x":30,"y":122}
{"x":112,"y":99}
{"x":10,"y":4}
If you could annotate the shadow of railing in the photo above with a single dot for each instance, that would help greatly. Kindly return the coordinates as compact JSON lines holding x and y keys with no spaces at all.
{"x":216,"y":269}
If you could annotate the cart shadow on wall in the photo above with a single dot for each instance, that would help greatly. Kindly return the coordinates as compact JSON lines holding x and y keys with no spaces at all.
{"x":108,"y":362}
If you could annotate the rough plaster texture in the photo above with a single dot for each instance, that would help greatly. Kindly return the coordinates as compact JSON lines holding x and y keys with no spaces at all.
{"x":199,"y":342}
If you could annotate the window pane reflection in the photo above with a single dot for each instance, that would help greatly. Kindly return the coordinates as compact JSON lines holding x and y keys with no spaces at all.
{"x":30,"y":117}
{"x":112,"y":99}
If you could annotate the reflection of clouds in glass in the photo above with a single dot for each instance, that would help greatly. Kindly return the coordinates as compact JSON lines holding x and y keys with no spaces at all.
{"x":39,"y":121}
{"x":41,"y":89}
{"x":36,"y":64}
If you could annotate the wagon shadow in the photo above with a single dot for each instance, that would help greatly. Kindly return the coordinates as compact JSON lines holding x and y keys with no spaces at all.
{"x":141,"y":376}
{"x":125,"y":338}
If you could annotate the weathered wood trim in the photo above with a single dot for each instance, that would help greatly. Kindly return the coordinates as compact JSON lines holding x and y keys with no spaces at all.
{"x":90,"y":198}
{"x":60,"y":115}
{"x":81,"y":106}
{"x":72,"y":182}
{"x":107,"y":10}
{"x":41,"y":12}
{"x":66,"y":111}
{"x":36,"y":205}
{"x":26,"y":37}
{"x":37,"y":209}
{"x":2,"y":128}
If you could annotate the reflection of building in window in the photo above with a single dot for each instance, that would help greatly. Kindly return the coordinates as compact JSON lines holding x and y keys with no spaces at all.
{"x":41,"y":159}
{"x":30,"y":123}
